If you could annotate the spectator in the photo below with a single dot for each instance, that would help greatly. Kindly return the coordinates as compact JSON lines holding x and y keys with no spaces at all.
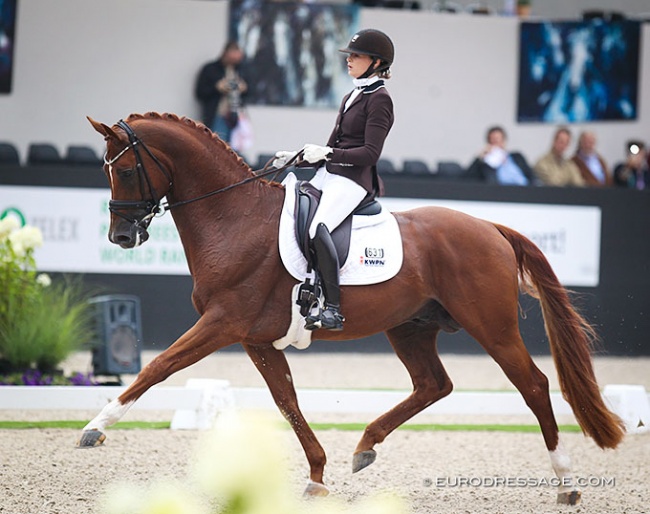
{"x":553,"y":169}
{"x":219,"y":89}
{"x":497,"y":165}
{"x":634,"y":172}
{"x":592,"y":166}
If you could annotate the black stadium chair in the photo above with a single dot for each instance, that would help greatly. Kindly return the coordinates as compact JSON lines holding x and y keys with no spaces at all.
{"x":43,"y":153}
{"x":450,"y":170}
{"x":262,"y":159}
{"x":79,"y":155}
{"x":386,"y":167}
{"x":415,"y":167}
{"x":8,"y":153}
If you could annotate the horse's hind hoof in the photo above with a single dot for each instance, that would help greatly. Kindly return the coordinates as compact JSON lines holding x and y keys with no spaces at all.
{"x":569,"y":498}
{"x":91,"y":439}
{"x":363,"y":460}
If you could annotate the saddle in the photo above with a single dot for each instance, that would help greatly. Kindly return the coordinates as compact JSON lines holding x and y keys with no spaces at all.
{"x":307,"y":200}
{"x":310,"y":295}
{"x":375,"y":250}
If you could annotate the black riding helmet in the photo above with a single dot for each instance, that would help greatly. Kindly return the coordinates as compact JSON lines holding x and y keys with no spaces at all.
{"x":374,"y":43}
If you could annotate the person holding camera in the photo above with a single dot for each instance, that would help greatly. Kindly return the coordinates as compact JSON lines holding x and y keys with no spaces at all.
{"x":219,"y":90}
{"x":634,"y":172}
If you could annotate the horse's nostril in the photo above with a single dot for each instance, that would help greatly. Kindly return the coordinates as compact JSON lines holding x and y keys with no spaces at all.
{"x":123,"y":240}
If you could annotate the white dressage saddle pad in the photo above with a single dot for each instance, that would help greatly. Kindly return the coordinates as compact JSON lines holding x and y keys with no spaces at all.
{"x":375,"y":254}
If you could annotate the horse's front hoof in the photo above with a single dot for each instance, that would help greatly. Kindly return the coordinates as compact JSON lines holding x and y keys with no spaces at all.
{"x":91,"y":439}
{"x":363,"y":460}
{"x":315,"y":489}
{"x":569,"y":498}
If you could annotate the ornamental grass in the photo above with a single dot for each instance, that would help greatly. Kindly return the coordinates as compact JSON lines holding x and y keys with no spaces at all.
{"x":42,"y":321}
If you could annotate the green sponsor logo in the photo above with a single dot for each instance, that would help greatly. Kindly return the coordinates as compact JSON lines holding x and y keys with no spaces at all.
{"x":15,"y":212}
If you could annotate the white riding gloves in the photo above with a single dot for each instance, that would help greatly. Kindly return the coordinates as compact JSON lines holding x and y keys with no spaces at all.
{"x":282,"y":158}
{"x":315,"y":153}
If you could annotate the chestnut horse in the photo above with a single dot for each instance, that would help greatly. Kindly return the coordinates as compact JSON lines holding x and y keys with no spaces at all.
{"x":458,"y":272}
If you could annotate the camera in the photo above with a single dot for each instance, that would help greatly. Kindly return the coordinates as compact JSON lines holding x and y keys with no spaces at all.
{"x":634,"y":147}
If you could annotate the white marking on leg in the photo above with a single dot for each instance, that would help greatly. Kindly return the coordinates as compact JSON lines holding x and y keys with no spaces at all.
{"x":561,"y":463}
{"x":109,"y":415}
{"x":297,"y":335}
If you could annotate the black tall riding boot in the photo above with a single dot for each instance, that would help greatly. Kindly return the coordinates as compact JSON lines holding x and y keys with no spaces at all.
{"x":327,"y":262}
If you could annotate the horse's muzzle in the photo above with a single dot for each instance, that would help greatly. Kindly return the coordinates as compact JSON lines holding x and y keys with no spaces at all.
{"x":128,"y":235}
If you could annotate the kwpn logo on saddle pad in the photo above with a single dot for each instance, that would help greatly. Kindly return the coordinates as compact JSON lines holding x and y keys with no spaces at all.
{"x":373,"y":257}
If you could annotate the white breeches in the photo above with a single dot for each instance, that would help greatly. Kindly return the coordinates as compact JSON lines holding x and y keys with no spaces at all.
{"x":340,"y":197}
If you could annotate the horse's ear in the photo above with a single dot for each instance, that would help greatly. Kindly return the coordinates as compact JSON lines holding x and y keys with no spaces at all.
{"x":103,"y":129}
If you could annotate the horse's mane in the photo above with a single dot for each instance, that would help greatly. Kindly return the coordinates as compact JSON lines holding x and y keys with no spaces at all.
{"x":202,"y":132}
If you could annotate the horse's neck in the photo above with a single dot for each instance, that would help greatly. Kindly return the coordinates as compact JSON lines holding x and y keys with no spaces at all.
{"x":220,"y":230}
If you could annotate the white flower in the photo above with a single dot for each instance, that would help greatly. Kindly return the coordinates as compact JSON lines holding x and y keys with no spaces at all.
{"x":44,"y":280}
{"x":25,"y":239}
{"x":171,"y":498}
{"x":244,"y":456}
{"x":8,"y":225}
{"x":161,"y":498}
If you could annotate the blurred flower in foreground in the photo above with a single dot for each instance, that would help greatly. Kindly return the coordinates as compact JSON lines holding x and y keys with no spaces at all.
{"x":25,"y":240}
{"x":44,"y":280}
{"x":240,"y":468}
{"x":7,"y":226}
{"x":242,"y":463}
{"x":162,"y":498}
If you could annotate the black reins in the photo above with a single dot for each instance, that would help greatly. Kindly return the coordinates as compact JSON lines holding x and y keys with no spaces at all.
{"x":257,"y":174}
{"x":153,"y":206}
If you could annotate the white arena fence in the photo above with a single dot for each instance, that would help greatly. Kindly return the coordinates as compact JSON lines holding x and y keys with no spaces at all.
{"x":197,"y":405}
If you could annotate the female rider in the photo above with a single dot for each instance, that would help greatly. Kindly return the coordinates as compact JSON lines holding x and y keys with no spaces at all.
{"x":346,"y":167}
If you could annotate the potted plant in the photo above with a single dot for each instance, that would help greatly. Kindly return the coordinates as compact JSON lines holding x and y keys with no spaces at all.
{"x":41,"y":321}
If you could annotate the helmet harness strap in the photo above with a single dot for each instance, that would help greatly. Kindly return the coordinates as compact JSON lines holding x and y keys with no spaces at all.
{"x":372,"y":70}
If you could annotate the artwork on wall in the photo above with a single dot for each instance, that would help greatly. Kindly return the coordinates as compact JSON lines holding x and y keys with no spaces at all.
{"x":291,"y":50}
{"x":578,"y":71}
{"x":7,"y":42}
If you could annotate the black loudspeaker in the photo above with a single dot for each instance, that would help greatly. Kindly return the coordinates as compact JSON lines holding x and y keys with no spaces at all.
{"x":118,"y":335}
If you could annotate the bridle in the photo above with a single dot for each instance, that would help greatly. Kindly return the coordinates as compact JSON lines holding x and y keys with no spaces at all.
{"x":151,"y":206}
{"x":154,"y":206}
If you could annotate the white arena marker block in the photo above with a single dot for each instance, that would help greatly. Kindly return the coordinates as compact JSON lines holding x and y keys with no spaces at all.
{"x":216,"y":397}
{"x":631,"y":403}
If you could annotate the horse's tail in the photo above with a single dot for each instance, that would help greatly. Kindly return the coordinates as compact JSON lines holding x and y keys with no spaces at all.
{"x":571,"y":339}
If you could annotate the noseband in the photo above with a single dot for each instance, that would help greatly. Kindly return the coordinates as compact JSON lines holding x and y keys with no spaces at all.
{"x":152,"y":206}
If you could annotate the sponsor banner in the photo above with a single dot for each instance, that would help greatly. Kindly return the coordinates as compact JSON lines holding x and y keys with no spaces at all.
{"x":569,"y":235}
{"x":75,"y":221}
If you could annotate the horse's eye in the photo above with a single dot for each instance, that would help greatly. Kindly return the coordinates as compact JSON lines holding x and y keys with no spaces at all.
{"x":126,"y":173}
